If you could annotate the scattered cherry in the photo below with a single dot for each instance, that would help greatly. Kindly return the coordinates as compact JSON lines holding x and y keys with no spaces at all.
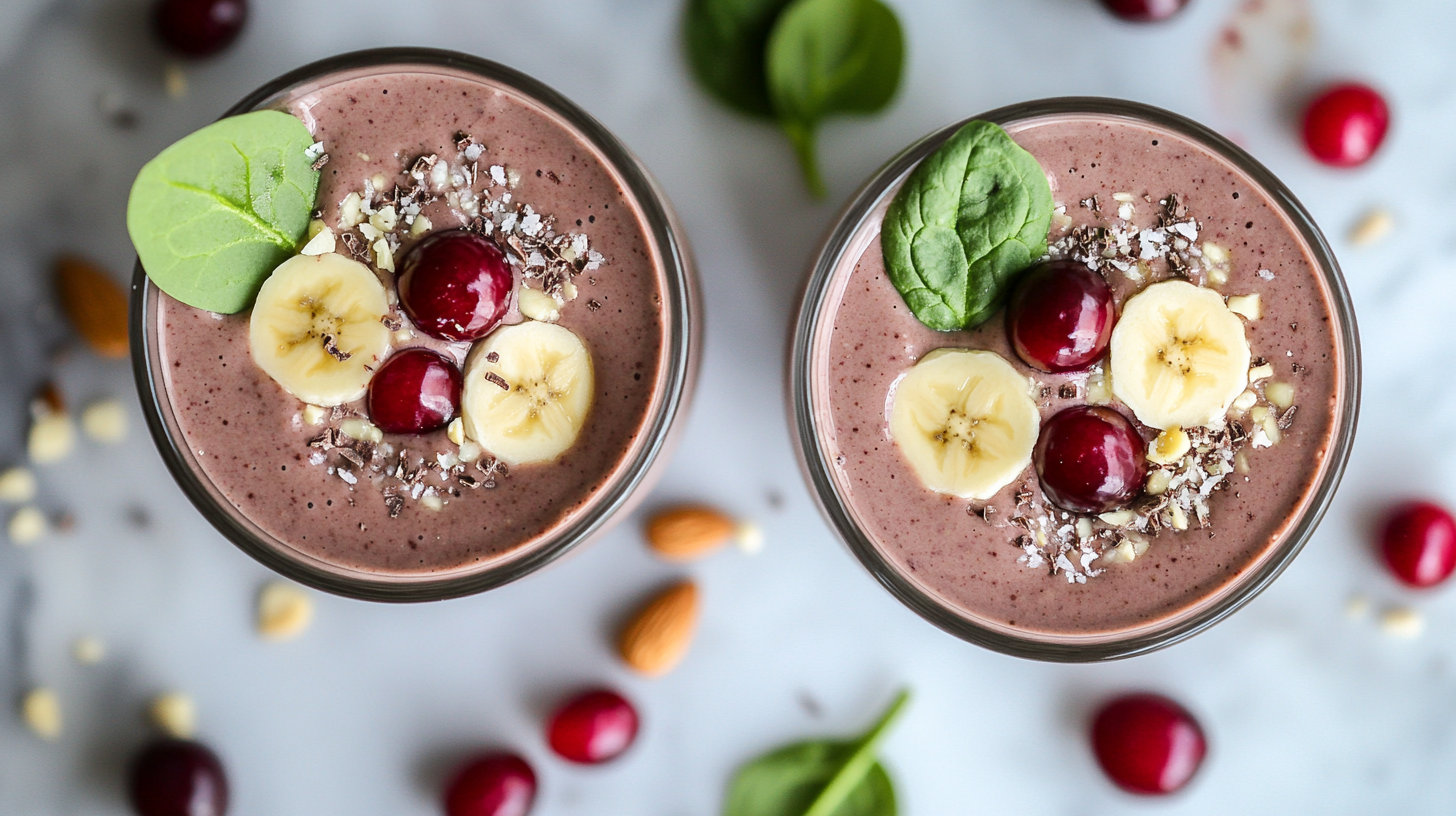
{"x":172,"y":777}
{"x":1147,"y":743}
{"x":1144,"y":11}
{"x":199,"y":28}
{"x":416,"y":390}
{"x":1344,"y":125}
{"x":497,"y":784}
{"x":593,"y":727}
{"x":1060,"y":316}
{"x":1090,"y":459}
{"x":1419,"y":543}
{"x":455,"y":285}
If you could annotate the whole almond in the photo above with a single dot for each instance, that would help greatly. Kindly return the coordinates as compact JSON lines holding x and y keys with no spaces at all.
{"x":657,"y":637}
{"x":688,"y":531}
{"x":95,"y":305}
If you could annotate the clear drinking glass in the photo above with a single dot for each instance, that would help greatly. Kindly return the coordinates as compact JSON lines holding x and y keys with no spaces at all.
{"x":612,"y":500}
{"x":852,"y":234}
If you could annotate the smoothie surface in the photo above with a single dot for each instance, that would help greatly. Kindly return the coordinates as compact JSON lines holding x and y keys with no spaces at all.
{"x":970,"y":562}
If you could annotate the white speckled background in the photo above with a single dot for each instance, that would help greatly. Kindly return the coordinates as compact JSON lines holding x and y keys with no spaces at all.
{"x":1306,"y":709}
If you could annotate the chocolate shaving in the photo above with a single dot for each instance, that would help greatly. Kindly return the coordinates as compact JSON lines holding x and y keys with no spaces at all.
{"x":391,"y":322}
{"x":333,"y":349}
{"x":496,"y":379}
{"x":326,"y":440}
{"x":468,"y":481}
{"x":1286,"y":419}
{"x":423,"y":164}
{"x":1067,"y":391}
{"x":318,"y":164}
{"x":1023,"y":496}
{"x":463,"y":140}
{"x":987,"y":513}
{"x":492,"y":357}
{"x":354,"y":245}
{"x":395,"y":505}
{"x":353,"y":456}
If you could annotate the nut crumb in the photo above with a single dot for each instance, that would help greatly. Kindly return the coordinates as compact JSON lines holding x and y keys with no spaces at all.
{"x":174,"y":714}
{"x":284,"y":611}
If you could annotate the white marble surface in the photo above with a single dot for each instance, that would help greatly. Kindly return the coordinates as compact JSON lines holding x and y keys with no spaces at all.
{"x":1306,"y":709}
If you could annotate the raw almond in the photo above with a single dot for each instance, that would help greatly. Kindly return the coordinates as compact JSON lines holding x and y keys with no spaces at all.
{"x":657,"y":637}
{"x":689,"y":531}
{"x":95,"y":305}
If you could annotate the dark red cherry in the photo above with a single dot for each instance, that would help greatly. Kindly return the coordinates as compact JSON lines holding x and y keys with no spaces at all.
{"x":173,"y":777}
{"x":416,"y":390}
{"x":199,"y":28}
{"x":455,"y":285}
{"x":1344,"y":125}
{"x":1419,"y":543}
{"x":1060,"y":316}
{"x":497,"y":784}
{"x":1147,"y":743}
{"x":1144,"y":11}
{"x":593,"y":727}
{"x":1090,"y":459}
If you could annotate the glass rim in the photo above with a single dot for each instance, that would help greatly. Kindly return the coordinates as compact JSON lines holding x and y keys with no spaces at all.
{"x":683,"y":331}
{"x":835,"y":507}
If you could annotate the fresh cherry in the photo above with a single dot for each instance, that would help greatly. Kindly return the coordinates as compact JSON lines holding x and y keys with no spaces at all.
{"x":199,"y":28}
{"x":455,"y":285}
{"x":172,"y":777}
{"x":1344,"y":126}
{"x":1144,"y":11}
{"x":1147,"y":743}
{"x":1090,"y":459}
{"x":416,"y":390}
{"x":593,"y":727}
{"x":491,"y":785}
{"x":1060,"y":316}
{"x":1419,"y":543}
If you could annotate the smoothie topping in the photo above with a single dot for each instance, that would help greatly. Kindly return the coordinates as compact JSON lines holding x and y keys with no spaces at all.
{"x":966,"y":222}
{"x":965,"y":422}
{"x":215,"y":213}
{"x":316,"y":328}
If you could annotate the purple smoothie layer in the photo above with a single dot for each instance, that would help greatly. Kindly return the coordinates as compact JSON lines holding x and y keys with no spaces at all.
{"x":971,"y":564}
{"x":245,"y":431}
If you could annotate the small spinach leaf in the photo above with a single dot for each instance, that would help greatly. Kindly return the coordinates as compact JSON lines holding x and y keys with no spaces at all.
{"x":725,"y":42}
{"x":819,"y":777}
{"x":214,"y":214}
{"x":827,"y":57}
{"x":967,"y":221}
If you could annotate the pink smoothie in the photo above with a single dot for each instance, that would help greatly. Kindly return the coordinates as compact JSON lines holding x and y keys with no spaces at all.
{"x":246,"y":433}
{"x":970,"y":563}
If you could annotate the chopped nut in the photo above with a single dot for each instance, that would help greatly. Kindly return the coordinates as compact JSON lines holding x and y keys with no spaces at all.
{"x":455,"y":431}
{"x":174,"y":714}
{"x":1169,"y":446}
{"x":432,"y":502}
{"x":1243,"y":402}
{"x":41,"y":710}
{"x":17,"y":484}
{"x":1372,"y":227}
{"x":1402,"y":622}
{"x":284,"y":611}
{"x":361,"y":429}
{"x":26,"y":526}
{"x":88,"y":650}
{"x":1279,"y":394}
{"x":1261,"y":372}
{"x":1246,"y":305}
{"x":174,"y":79}
{"x":104,"y":421}
{"x":1099,"y":387}
{"x":1158,"y":482}
{"x":1118,"y":518}
{"x":385,"y":220}
{"x":313,"y":414}
{"x":52,"y":437}
{"x":351,"y":213}
{"x":537,"y":305}
{"x":321,"y":244}
{"x":421,"y":226}
{"x":749,"y":538}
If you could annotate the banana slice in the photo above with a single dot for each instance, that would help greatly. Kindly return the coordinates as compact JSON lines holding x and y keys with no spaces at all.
{"x":316,"y":328}
{"x":966,"y":422}
{"x":1179,"y":356}
{"x":527,"y":391}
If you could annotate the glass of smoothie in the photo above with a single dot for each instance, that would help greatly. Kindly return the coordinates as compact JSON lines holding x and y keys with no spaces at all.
{"x":1147,"y":422}
{"x":538,"y":347}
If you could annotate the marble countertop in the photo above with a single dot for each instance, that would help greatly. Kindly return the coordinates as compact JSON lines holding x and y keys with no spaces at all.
{"x":1308,"y":708}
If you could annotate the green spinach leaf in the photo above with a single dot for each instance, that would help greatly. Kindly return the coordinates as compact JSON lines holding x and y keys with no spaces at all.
{"x":827,"y":57}
{"x":214,"y":214}
{"x":971,"y":217}
{"x":819,"y":777}
{"x":725,"y":41}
